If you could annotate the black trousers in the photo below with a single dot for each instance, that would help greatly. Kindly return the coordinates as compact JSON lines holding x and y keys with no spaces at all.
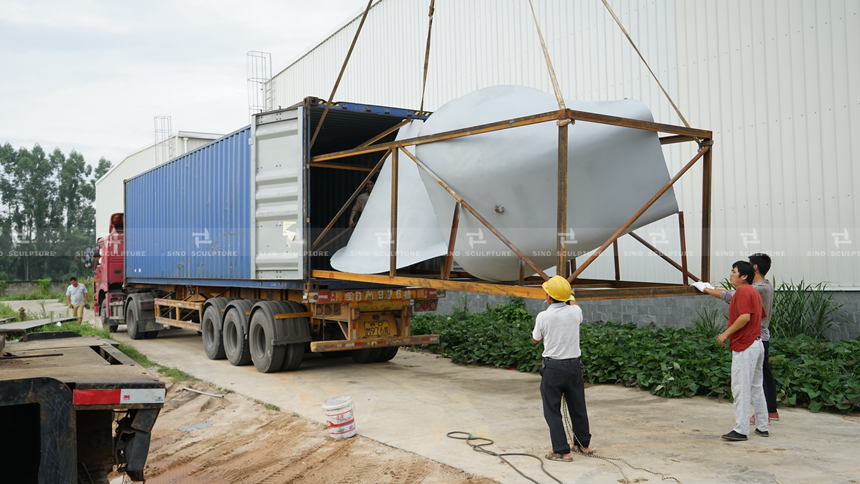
{"x":768,"y":382}
{"x":564,"y":378}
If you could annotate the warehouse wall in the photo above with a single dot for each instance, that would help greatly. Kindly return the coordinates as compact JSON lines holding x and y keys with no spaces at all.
{"x":777,"y":81}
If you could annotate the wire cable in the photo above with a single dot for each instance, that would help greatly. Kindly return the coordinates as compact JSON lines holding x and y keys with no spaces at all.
{"x":480,"y":448}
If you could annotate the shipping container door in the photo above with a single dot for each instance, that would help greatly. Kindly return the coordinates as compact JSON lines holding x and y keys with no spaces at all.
{"x":277,"y":205}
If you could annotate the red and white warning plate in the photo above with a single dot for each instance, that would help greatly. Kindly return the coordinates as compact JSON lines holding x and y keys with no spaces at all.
{"x":118,"y":396}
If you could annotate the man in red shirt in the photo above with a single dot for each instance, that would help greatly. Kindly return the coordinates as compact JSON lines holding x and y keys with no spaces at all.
{"x":745,"y":314}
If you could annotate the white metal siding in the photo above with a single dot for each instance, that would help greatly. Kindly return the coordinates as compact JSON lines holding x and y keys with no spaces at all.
{"x":779,"y":84}
{"x":777,"y":81}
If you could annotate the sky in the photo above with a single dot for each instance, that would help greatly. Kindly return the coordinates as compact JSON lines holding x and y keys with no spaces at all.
{"x":90,"y":75}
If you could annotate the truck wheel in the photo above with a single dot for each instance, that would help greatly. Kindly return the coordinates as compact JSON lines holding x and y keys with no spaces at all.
{"x":295,"y":352}
{"x":236,"y":344}
{"x":386,"y":354}
{"x":131,"y":315}
{"x":212,"y":343}
{"x":267,"y":357}
{"x":106,"y":323}
{"x":367,"y":355}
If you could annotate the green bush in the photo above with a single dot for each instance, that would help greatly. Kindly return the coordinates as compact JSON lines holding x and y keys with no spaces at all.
{"x":44,"y":285}
{"x":668,"y":362}
{"x":802,"y":309}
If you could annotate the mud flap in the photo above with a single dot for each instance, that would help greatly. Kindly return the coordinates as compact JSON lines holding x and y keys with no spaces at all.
{"x":132,"y":442}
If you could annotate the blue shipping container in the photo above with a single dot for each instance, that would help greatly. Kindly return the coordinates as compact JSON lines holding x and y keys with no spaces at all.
{"x":190,"y":218}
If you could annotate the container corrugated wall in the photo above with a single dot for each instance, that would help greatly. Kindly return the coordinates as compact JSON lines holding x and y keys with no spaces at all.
{"x":777,"y":81}
{"x":190,"y":218}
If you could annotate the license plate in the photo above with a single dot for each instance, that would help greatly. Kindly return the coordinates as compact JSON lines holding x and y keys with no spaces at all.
{"x":376,"y":329}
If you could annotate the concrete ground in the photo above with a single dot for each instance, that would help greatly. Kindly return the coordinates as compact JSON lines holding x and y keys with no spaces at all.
{"x":414,"y":400}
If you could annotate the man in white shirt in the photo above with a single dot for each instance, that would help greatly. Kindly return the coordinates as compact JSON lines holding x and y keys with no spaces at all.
{"x":561,"y":372}
{"x":76,"y":297}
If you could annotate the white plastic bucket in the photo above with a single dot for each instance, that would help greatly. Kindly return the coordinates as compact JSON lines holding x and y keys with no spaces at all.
{"x":339,"y":417}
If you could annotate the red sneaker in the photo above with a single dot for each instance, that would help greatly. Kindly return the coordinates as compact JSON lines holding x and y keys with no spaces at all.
{"x":773,"y":416}
{"x":752,"y":419}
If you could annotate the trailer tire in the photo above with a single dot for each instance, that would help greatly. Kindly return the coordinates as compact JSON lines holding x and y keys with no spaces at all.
{"x":387,"y":353}
{"x":106,"y":323}
{"x":267,"y":357}
{"x":366,"y":355}
{"x":295,"y":352}
{"x":132,"y":312}
{"x":213,"y":345}
{"x":235,"y":333}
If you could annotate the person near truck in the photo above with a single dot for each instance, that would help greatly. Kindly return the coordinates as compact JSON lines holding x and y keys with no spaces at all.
{"x":360,"y":203}
{"x":745,"y":315}
{"x":761,"y":263}
{"x":561,"y":371}
{"x":76,"y":297}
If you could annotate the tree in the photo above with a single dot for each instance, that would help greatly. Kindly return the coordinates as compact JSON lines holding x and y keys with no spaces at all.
{"x":47,"y":202}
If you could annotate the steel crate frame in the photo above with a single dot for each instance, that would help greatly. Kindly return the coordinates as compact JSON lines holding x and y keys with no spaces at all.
{"x":586,"y":289}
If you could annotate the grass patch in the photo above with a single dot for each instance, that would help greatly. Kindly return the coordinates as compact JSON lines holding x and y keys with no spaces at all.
{"x":35,"y":295}
{"x":137,"y":356}
{"x":268,"y":406}
{"x":176,"y":374}
{"x":809,"y":372}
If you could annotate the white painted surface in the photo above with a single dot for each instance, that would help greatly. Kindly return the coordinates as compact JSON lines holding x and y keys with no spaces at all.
{"x":778,"y":82}
{"x":277,"y":180}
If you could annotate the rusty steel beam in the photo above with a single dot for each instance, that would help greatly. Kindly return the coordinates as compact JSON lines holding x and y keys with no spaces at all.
{"x":530,"y":292}
{"x":339,"y":166}
{"x":457,"y":133}
{"x":392,"y":245}
{"x":385,"y":133}
{"x":348,"y":202}
{"x":561,"y":200}
{"x":668,"y":140}
{"x":452,"y":238}
{"x":664,"y":257}
{"x":340,"y":75}
{"x":638,"y":214}
{"x":334,"y":238}
{"x":706,"y":214}
{"x":683,"y":233}
{"x":478,"y":216}
{"x":636,"y":123}
{"x":617,"y":264}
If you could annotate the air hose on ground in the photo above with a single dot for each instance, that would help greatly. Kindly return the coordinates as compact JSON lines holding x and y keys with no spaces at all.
{"x":571,"y":438}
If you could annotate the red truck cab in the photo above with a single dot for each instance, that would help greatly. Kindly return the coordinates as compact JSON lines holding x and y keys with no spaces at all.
{"x":108,"y":258}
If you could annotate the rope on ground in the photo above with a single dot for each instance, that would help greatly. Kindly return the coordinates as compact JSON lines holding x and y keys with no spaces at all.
{"x":345,"y":62}
{"x":480,"y":448}
{"x":552,"y":78}
{"x":427,"y":55}
{"x":618,"y":21}
{"x":575,"y":443}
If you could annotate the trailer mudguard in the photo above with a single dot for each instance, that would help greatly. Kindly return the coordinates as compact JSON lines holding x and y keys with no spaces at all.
{"x":285,"y":331}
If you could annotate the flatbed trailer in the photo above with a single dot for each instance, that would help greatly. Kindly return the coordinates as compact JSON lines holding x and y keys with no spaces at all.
{"x":73,"y":409}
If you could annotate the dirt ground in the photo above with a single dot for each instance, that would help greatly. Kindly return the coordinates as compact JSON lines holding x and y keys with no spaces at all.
{"x":236,"y":440}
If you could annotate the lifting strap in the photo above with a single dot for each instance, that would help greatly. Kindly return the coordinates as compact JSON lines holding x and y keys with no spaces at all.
{"x":345,"y":62}
{"x":618,"y":21}
{"x":548,"y":62}
{"x":427,"y":56}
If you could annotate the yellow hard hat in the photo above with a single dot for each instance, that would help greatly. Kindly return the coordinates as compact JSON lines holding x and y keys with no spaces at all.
{"x":559,"y":289}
